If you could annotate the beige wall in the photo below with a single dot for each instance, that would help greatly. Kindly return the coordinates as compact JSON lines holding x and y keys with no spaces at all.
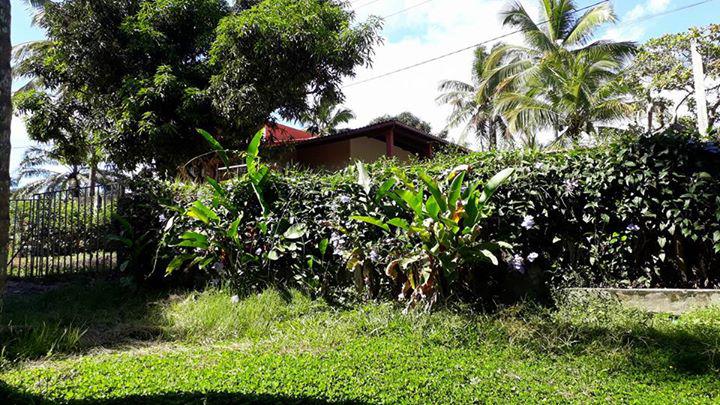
{"x":338,"y":155}
{"x":334,"y":155}
{"x":369,"y":150}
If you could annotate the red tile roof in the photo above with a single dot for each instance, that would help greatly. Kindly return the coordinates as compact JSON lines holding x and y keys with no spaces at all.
{"x":278,"y":133}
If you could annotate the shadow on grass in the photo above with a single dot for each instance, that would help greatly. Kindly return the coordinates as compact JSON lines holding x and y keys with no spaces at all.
{"x":82,"y":313}
{"x":671,"y":346}
{"x":9,"y":395}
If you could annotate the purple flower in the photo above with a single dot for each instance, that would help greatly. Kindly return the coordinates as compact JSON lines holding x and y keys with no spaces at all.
{"x":633,"y":228}
{"x":344,"y":199}
{"x":517,"y":263}
{"x":528,"y":222}
{"x":374,"y":257}
{"x":570,"y":185}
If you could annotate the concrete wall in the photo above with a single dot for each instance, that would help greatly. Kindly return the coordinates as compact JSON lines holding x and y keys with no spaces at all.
{"x":369,"y":150}
{"x":673,"y":301}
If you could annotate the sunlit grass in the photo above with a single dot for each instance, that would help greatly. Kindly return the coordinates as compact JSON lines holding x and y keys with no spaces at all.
{"x":283,"y":346}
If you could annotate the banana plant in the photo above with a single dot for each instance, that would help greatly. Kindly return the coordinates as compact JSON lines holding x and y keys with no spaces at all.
{"x":228,"y":242}
{"x":444,"y":236}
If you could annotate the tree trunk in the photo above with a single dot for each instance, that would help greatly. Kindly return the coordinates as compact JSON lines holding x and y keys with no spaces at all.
{"x":492,"y":135}
{"x":5,"y":120}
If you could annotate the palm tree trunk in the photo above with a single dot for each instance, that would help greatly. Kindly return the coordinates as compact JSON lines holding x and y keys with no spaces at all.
{"x":5,"y":120}
{"x":492,"y":135}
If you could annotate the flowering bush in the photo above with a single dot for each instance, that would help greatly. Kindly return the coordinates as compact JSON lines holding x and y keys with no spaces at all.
{"x":643,"y":211}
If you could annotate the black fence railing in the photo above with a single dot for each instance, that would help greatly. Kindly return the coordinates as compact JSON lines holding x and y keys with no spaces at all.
{"x":62,"y":232}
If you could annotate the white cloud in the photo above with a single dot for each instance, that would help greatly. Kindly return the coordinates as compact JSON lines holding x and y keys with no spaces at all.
{"x":629,"y":28}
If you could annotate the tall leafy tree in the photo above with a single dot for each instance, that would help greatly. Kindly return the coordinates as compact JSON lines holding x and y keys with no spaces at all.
{"x":5,"y":121}
{"x":473,"y":106}
{"x":325,"y":117}
{"x":408,"y":119}
{"x":559,"y":79}
{"x":663,"y":68}
{"x":147,"y":73}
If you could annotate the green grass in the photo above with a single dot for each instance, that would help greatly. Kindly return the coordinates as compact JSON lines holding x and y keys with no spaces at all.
{"x":277,"y":347}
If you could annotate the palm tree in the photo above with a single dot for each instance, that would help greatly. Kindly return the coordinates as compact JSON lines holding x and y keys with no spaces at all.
{"x":22,"y":53}
{"x":473,"y":106}
{"x":47,"y":169}
{"x":559,"y":79}
{"x":325,"y":117}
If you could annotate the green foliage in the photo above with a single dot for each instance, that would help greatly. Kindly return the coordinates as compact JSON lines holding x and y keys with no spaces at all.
{"x":167,"y":67}
{"x":640,"y":212}
{"x":241,"y":249}
{"x":558,"y":79}
{"x":443,"y":240}
{"x":408,"y":119}
{"x":664,"y":64}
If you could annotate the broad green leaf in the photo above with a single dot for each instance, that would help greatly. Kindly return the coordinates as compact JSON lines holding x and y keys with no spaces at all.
{"x":372,"y":221}
{"x":384,"y":188}
{"x":216,"y":186}
{"x":252,"y":152}
{"x":177,"y":262}
{"x":432,"y":207}
{"x":455,"y":189}
{"x":296,"y":231}
{"x":400,"y":223}
{"x":232,"y":232}
{"x":471,"y":211}
{"x":411,"y":200}
{"x":202,"y":213}
{"x":323,"y":245}
{"x":273,"y":255}
{"x":496,"y":181}
{"x":434,"y":189}
{"x":193,"y":240}
{"x":215,"y":145}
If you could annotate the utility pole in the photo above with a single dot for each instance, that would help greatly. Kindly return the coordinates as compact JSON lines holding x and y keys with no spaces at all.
{"x":700,"y":100}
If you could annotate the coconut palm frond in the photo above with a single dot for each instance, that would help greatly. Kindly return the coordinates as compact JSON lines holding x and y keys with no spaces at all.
{"x":585,"y":26}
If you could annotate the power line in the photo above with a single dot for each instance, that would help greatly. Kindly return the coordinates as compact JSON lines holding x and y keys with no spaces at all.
{"x":499,"y":37}
{"x":366,"y":4}
{"x":407,"y":9}
{"x":426,"y":61}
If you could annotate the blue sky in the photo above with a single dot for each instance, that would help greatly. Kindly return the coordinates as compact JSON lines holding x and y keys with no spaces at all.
{"x":433,"y":28}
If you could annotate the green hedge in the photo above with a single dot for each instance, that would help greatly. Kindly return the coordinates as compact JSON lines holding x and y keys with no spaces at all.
{"x":643,"y":212}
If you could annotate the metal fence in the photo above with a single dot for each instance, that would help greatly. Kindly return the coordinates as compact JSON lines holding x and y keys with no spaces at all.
{"x":62,"y":232}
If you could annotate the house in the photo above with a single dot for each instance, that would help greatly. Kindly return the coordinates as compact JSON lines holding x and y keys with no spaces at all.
{"x":337,"y":151}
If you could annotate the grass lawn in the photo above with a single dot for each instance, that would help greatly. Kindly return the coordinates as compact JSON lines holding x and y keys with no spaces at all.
{"x":109,"y":343}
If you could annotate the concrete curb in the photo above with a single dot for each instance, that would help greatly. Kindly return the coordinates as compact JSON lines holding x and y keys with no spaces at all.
{"x":670,"y":300}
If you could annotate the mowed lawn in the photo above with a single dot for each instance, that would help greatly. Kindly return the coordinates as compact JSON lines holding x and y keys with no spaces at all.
{"x":277,"y":347}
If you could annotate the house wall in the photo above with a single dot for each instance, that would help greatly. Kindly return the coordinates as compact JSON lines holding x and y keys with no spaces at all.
{"x":369,"y":150}
{"x":334,"y":155}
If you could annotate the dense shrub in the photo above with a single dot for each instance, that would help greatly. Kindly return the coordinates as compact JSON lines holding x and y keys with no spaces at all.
{"x":643,"y":211}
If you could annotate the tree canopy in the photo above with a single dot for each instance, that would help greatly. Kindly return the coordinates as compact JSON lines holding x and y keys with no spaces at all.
{"x":663,"y":65}
{"x":408,"y":119}
{"x":144,"y":74}
{"x":559,"y":79}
